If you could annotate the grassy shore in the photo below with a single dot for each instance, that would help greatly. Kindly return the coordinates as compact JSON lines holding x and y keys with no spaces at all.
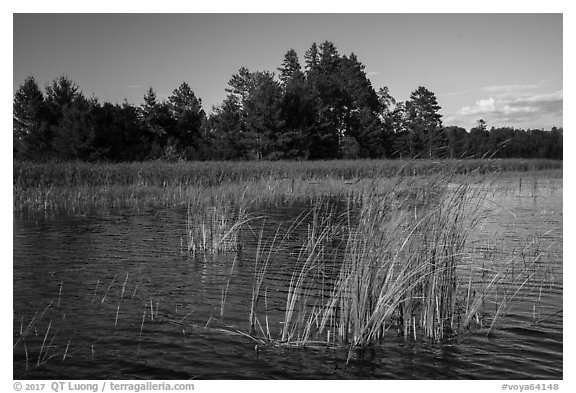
{"x":75,"y":186}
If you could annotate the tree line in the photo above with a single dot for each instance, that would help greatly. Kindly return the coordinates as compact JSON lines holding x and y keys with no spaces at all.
{"x":327,"y":109}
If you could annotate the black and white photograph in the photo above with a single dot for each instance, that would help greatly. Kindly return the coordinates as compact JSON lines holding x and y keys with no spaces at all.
{"x":287,"y":196}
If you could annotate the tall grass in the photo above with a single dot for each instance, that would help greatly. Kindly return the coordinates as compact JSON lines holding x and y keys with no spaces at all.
{"x":400,"y":263}
{"x":78,"y":186}
{"x":399,"y":268}
{"x":214,"y":225}
{"x":404,"y":268}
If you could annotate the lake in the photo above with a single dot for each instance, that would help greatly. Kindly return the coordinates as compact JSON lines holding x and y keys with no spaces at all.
{"x":113,"y":294}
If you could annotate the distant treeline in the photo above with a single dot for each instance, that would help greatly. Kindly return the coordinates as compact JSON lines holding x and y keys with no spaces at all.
{"x":326,"y":110}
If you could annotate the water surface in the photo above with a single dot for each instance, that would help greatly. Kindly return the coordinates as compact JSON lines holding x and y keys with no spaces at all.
{"x":113,"y":295}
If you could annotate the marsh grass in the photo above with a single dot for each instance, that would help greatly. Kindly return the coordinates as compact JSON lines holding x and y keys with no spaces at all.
{"x":214,"y":223}
{"x":403,"y":268}
{"x":399,"y":270}
{"x":77,"y":186}
{"x":393,"y":260}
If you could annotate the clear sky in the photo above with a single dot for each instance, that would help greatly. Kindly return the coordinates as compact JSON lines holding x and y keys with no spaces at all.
{"x":504,"y":68}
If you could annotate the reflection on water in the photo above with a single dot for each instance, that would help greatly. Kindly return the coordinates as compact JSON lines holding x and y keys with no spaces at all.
{"x":113,"y":295}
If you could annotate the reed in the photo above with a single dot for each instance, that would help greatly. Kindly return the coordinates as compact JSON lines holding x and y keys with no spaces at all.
{"x":400,"y":265}
{"x":76,"y":186}
{"x":394,"y":260}
{"x":214,"y":224}
{"x":38,"y":336}
{"x":141,"y":328}
{"x":525,"y":272}
{"x":403,"y":267}
{"x":225,"y":289}
{"x":120,"y":302}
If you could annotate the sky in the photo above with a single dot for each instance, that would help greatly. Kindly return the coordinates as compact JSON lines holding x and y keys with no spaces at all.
{"x":503,"y":68}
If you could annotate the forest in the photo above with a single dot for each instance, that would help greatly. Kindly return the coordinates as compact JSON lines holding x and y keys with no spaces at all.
{"x":325,"y":109}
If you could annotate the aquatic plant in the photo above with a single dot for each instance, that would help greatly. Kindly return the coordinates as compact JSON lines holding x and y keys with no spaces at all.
{"x":213,"y":225}
{"x":77,"y":186}
{"x":402,"y":269}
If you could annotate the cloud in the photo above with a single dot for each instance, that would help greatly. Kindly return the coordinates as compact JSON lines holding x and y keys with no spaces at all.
{"x":449,"y":119}
{"x":534,"y":105}
{"x":481,"y":106}
{"x":134,"y":87}
{"x":514,"y":106}
{"x":510,"y":88}
{"x":372,"y":73}
{"x":548,"y":97}
{"x":455,"y":93}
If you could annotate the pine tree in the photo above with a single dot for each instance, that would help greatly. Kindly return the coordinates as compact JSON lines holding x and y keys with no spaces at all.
{"x":290,"y":66}
{"x":262,"y":110}
{"x":27,"y":113}
{"x":159,"y":124}
{"x":312,"y":59}
{"x":322,"y":65}
{"x":360,"y":108}
{"x":357,"y":85}
{"x":67,"y":119}
{"x":224,"y":129}
{"x":188,"y":115}
{"x":240,"y":84}
{"x":62,"y":93}
{"x":298,"y":117}
{"x":75,"y":134}
{"x":425,"y":124}
{"x":296,"y":111}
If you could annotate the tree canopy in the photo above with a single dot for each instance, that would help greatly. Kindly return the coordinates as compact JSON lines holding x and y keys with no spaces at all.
{"x":325,"y":110}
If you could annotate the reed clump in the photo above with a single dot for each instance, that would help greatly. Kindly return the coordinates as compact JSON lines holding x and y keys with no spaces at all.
{"x":402,"y":268}
{"x":213,"y":229}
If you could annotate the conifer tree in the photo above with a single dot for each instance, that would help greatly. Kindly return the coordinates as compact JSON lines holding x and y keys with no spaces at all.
{"x":27,"y":113}
{"x":188,"y":116}
{"x":425,"y":124}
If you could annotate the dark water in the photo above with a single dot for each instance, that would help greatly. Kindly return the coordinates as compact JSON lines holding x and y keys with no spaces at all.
{"x":112,"y":296}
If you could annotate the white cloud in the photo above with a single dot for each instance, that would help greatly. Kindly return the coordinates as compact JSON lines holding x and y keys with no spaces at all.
{"x":481,"y":106}
{"x":510,"y":110}
{"x":554,"y":96}
{"x":455,"y":93}
{"x":515,"y":106}
{"x":509,"y":88}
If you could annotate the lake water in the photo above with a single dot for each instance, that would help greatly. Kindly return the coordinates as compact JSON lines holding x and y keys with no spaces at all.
{"x":113,"y":295}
